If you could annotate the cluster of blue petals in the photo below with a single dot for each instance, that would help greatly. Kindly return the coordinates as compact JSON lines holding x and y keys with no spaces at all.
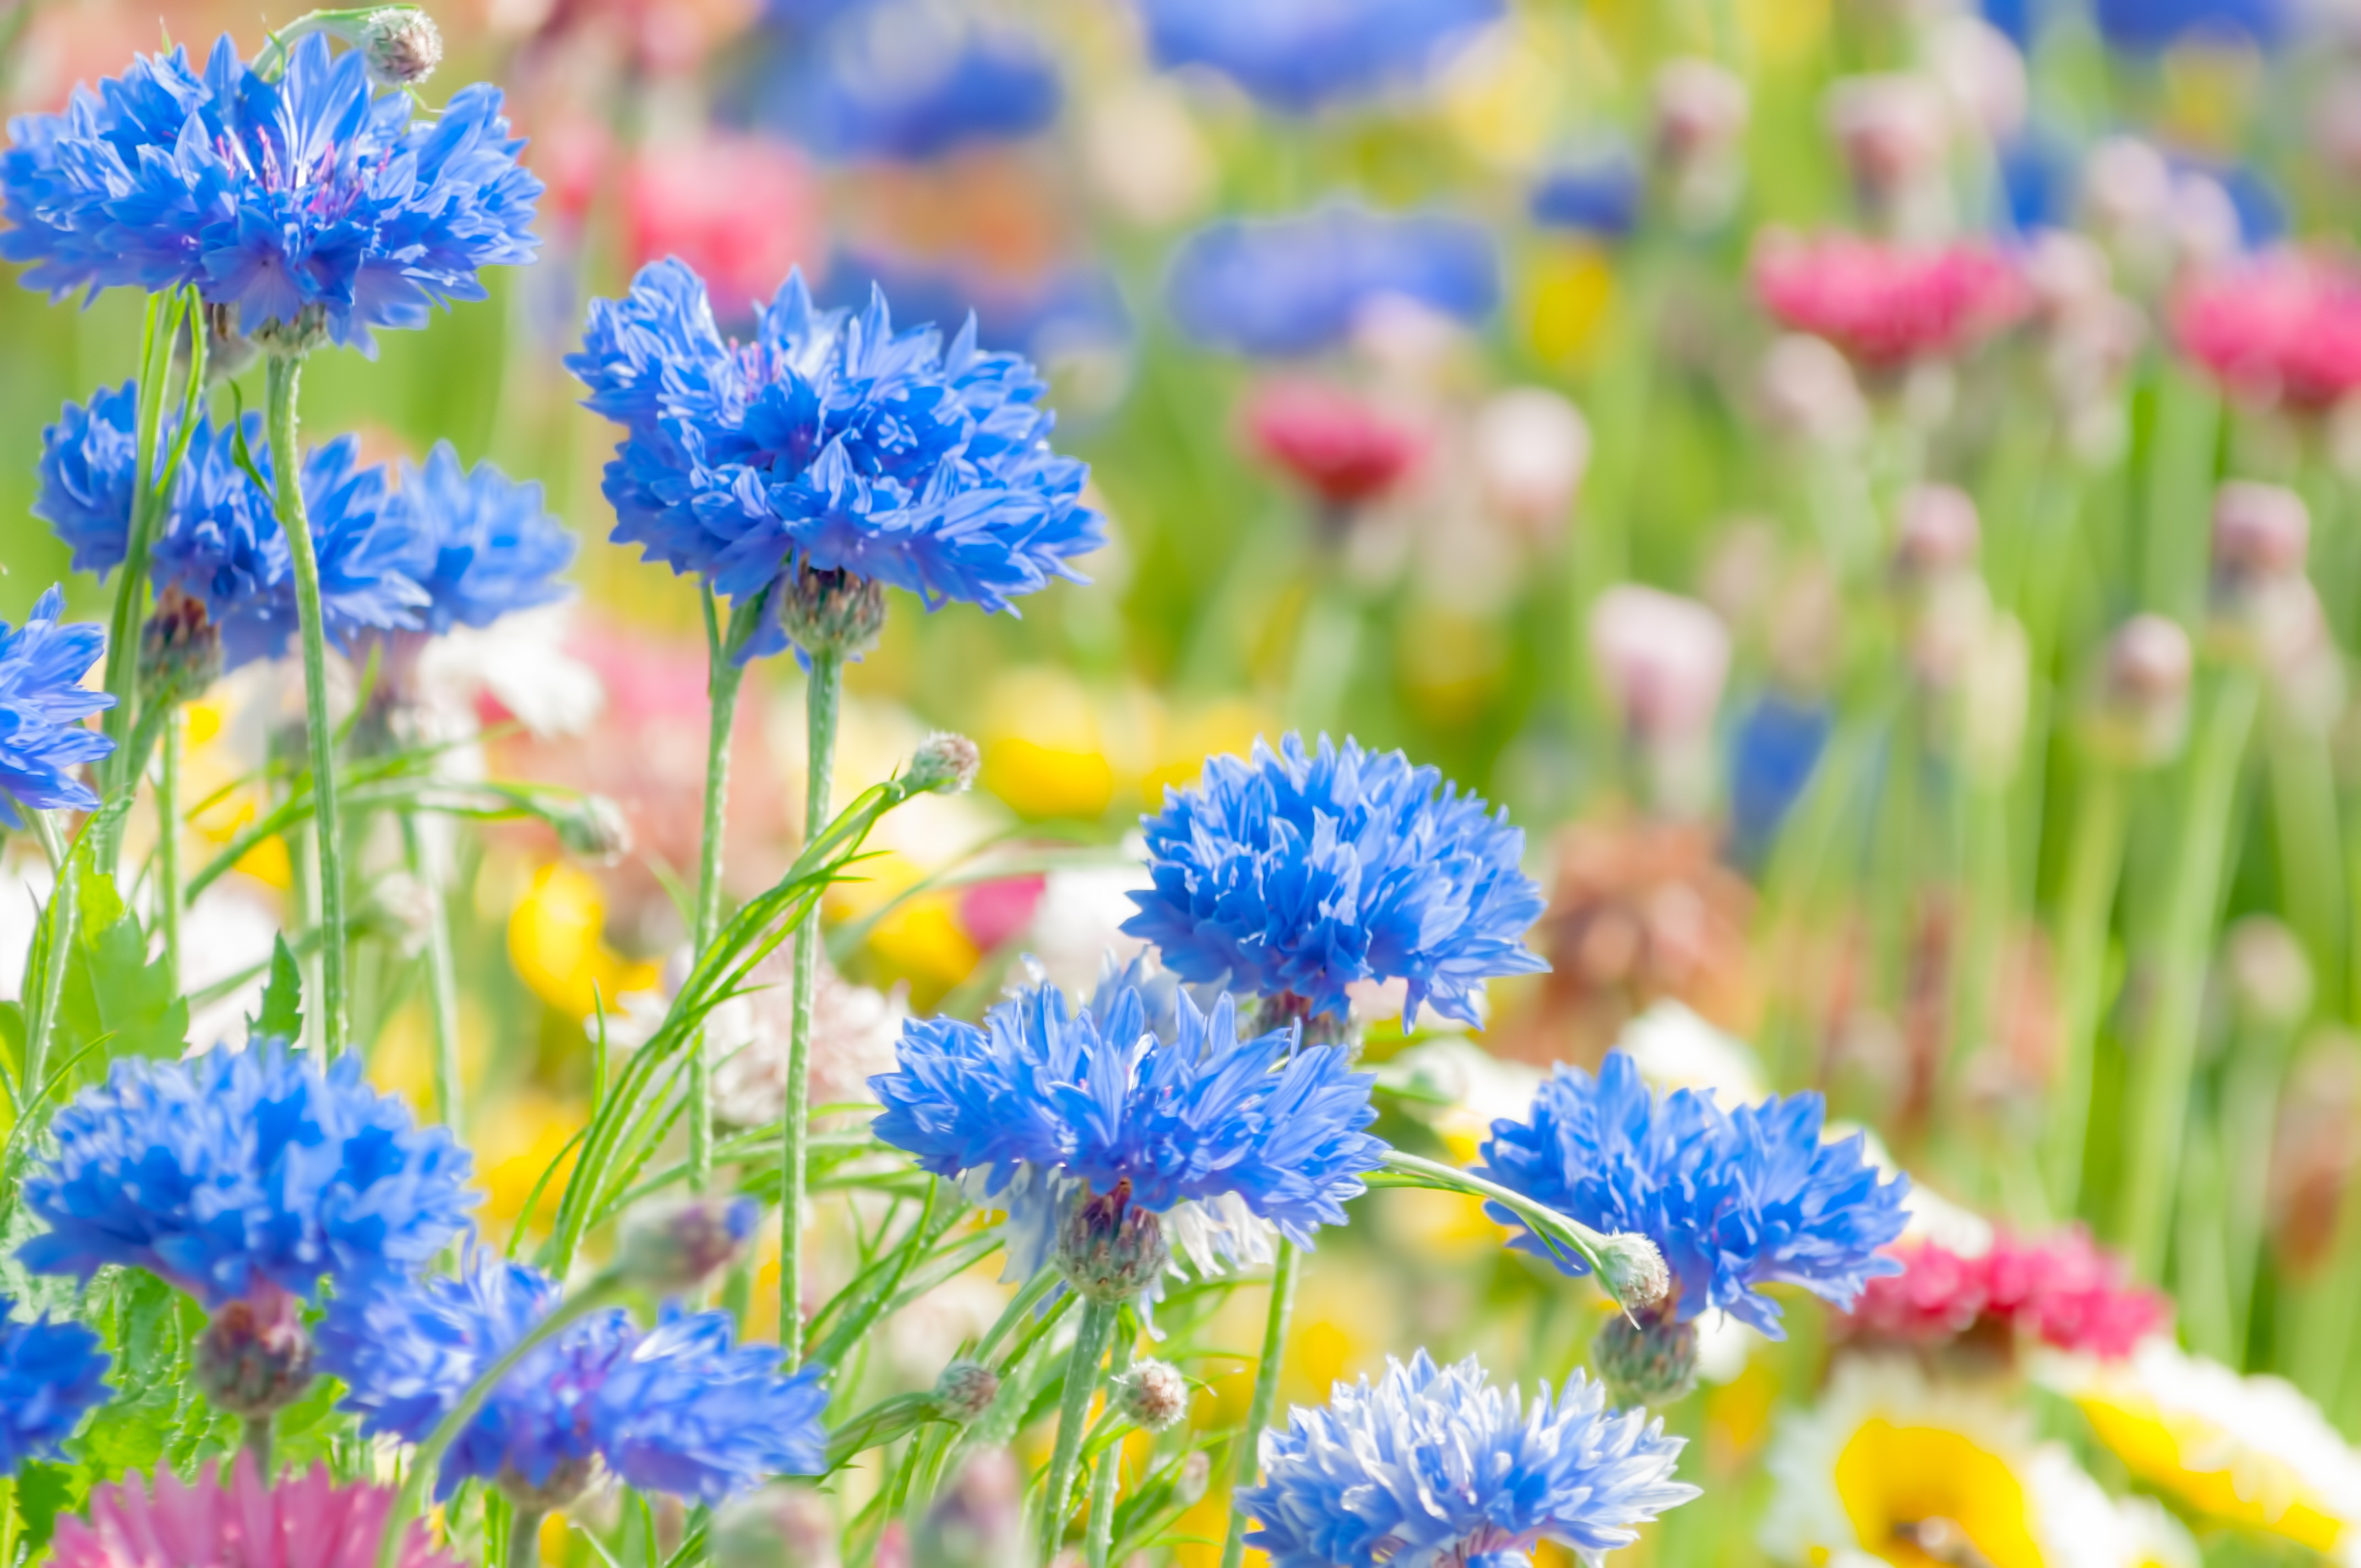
{"x":1301,"y":873}
{"x":51,"y":1374}
{"x":273,"y":198}
{"x":240,"y":1170}
{"x":831,"y":442}
{"x":1100,"y":1096}
{"x":2151,"y":27}
{"x":677,"y":1410}
{"x":1434,"y":1466}
{"x":483,"y":544}
{"x":1297,"y":55}
{"x":1598,"y":194}
{"x":1736,"y":1199}
{"x":42,"y":704}
{"x":910,"y":80}
{"x":1282,"y":287}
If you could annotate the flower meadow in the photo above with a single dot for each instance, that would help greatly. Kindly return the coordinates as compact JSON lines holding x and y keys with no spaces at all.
{"x":1095,"y":784}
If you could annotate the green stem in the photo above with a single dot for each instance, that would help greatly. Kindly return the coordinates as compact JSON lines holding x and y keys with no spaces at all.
{"x":442,"y":974}
{"x":823,"y":697}
{"x":2179,"y":487}
{"x":525,"y":1537}
{"x":257,"y":1443}
{"x":1266,"y":1396}
{"x":2323,"y":1360}
{"x":2084,"y":906}
{"x":58,"y":950}
{"x":2250,"y":1108}
{"x":1326,"y":650}
{"x":122,"y":677}
{"x":281,"y":384}
{"x":1073,"y":1414}
{"x":2311,"y":858}
{"x":2157,"y":1102}
{"x":168,"y":843}
{"x":1106,"y":1478}
{"x":722,"y":677}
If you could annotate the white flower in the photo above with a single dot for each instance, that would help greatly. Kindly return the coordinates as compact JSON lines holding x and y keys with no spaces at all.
{"x":521,"y":661}
{"x":1076,"y":923}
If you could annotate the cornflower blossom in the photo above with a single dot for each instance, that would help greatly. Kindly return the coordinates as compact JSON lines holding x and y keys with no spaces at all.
{"x":1296,"y":56}
{"x":42,"y":704}
{"x":219,"y":541}
{"x":1600,"y":195}
{"x":1886,"y":306}
{"x":2064,"y":1291}
{"x":299,"y":1521}
{"x":483,"y":544}
{"x":1280,"y":287}
{"x":311,"y":198}
{"x":2284,"y":326}
{"x":1294,"y":874}
{"x":245,"y":1175}
{"x":51,"y":1374}
{"x":674,"y":1409}
{"x":1340,"y":447}
{"x":908,"y":81}
{"x":1433,"y":1466}
{"x":829,"y":444}
{"x":1737,"y":1200}
{"x":1142,"y":1106}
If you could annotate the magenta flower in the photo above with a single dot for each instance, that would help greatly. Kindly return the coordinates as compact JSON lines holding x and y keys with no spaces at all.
{"x":1885,"y":305}
{"x":304,"y":1521}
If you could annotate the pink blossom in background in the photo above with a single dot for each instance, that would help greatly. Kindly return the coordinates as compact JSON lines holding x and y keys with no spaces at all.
{"x":2065,"y":1292}
{"x":741,"y":210}
{"x":304,"y":1521}
{"x":993,"y":913}
{"x":1340,"y":447}
{"x":1885,"y":305}
{"x":2284,"y":326}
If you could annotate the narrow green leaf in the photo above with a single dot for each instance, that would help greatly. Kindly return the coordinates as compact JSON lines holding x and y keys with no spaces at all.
{"x":282,"y":1017}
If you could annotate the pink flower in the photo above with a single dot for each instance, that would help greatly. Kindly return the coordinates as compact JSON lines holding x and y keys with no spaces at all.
{"x":2283,"y":326}
{"x":1340,"y":447}
{"x":741,"y":210}
{"x":2065,"y":1292}
{"x":304,"y":1521}
{"x":1884,"y":304}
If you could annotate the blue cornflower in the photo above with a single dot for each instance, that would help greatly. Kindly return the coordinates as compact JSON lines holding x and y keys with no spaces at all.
{"x":1433,"y":1468}
{"x":1142,"y":1095}
{"x":1736,"y":1199}
{"x":51,"y":1374}
{"x":483,"y":543}
{"x":2151,"y":27}
{"x":909,"y":80}
{"x":42,"y":704}
{"x":310,"y":198}
{"x":220,"y":540}
{"x":240,"y":1171}
{"x":829,"y":442}
{"x":1595,"y":195}
{"x":1297,"y":55}
{"x":1299,"y":874}
{"x":682,"y":1411}
{"x":1773,"y":755}
{"x":1291,"y":286}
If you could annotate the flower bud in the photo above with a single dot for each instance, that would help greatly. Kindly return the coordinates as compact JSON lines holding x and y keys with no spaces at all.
{"x":1532,"y":448}
{"x":966,"y":1390}
{"x":671,"y":1247}
{"x":2142,"y":713}
{"x":2260,"y":533}
{"x":254,"y":1356}
{"x":1153,"y":1394}
{"x":832,"y":612}
{"x":1647,"y":1358}
{"x":595,"y":828}
{"x":945,"y":763}
{"x":1893,"y":132}
{"x":978,"y":1522}
{"x":1663,"y":659}
{"x":1938,"y":533}
{"x":401,"y":46}
{"x":2269,"y":974}
{"x":1110,"y":1249}
{"x":179,"y":648}
{"x":2065,"y":273}
{"x":784,"y":1525}
{"x":1635,"y":1271}
{"x":1195,"y":1479}
{"x":1700,"y":110}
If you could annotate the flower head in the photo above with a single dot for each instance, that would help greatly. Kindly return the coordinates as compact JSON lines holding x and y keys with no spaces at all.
{"x":241,"y":1172}
{"x":1598,"y":195}
{"x":483,"y":544}
{"x":51,"y":1374}
{"x":42,"y":702}
{"x":1296,"y":55}
{"x":683,"y":1412}
{"x":2063,"y":1291}
{"x":2283,"y":326}
{"x":301,"y":1522}
{"x":1343,"y":448}
{"x":1737,"y":1200}
{"x":312,"y":198}
{"x":1287,"y":286}
{"x":1300,"y":873}
{"x":1138,"y":1099}
{"x":908,"y":81}
{"x":1433,"y":1468}
{"x":829,"y":444}
{"x":1886,"y":306}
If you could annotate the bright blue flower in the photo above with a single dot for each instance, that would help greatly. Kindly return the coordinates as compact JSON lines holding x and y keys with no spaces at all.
{"x":908,"y":80}
{"x":829,"y":442}
{"x":51,"y":1374}
{"x":1736,"y":1199}
{"x":1299,"y":874}
{"x":1297,"y":55}
{"x":220,"y":540}
{"x":1291,"y":286}
{"x":1433,"y":1468}
{"x":1774,"y":754}
{"x":311,"y":194}
{"x":483,"y":543}
{"x":682,"y":1411}
{"x":1598,"y":195}
{"x":2151,"y":27}
{"x":1140,"y":1088}
{"x":42,"y":704}
{"x":240,"y":1170}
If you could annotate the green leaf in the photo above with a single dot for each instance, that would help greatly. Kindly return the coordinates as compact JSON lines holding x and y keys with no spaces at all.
{"x":157,"y":1411}
{"x":282,"y":1017}
{"x":116,"y":996}
{"x":43,"y":1492}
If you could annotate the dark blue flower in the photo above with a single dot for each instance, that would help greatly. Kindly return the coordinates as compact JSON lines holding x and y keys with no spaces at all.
{"x":1299,"y":874}
{"x":1044,"y":1104}
{"x":682,"y":1411}
{"x":483,"y":543}
{"x":309,"y":194}
{"x":1290,"y":286}
{"x":42,"y":704}
{"x":240,"y":1170}
{"x":2150,"y":27}
{"x":1434,"y":1466}
{"x":51,"y":1374}
{"x":220,"y":540}
{"x":829,"y":442}
{"x":1736,"y":1199}
{"x":1596,"y":195}
{"x":1773,"y":753}
{"x":1297,"y":55}
{"x":909,"y":80}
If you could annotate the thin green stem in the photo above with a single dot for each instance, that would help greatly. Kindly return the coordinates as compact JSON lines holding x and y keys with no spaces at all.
{"x":168,"y":843}
{"x":283,"y":382}
{"x":1266,"y":1396}
{"x":2088,"y":898}
{"x":1106,"y":1476}
{"x":257,"y":1443}
{"x":525,"y":1537}
{"x":442,"y":974}
{"x":122,"y":677}
{"x":823,"y":697}
{"x":1073,"y":1414}
{"x":723,"y":675}
{"x":59,"y":949}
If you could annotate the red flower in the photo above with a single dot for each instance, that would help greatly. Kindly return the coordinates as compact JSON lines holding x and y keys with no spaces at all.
{"x":1885,"y":305}
{"x":2283,"y":325}
{"x":740,"y":210}
{"x":1339,"y":447}
{"x":2065,"y":1292}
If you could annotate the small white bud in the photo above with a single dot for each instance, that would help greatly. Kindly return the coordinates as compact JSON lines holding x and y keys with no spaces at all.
{"x":946,"y":764}
{"x":402,"y":45}
{"x":966,"y":1390}
{"x":1153,"y":1394}
{"x":1634,"y":1270}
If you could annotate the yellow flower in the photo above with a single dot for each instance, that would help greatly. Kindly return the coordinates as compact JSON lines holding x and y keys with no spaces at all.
{"x":1184,"y":741}
{"x":521,"y":1136}
{"x":1568,"y":293}
{"x":557,"y":942}
{"x":1043,"y":753}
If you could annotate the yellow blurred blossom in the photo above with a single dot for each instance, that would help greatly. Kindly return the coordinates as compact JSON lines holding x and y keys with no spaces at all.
{"x":1043,"y":752}
{"x":517,"y":1139}
{"x":1782,"y":31}
{"x":1570,"y":289}
{"x":1185,"y":740}
{"x":1504,"y":94}
{"x":556,"y":940}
